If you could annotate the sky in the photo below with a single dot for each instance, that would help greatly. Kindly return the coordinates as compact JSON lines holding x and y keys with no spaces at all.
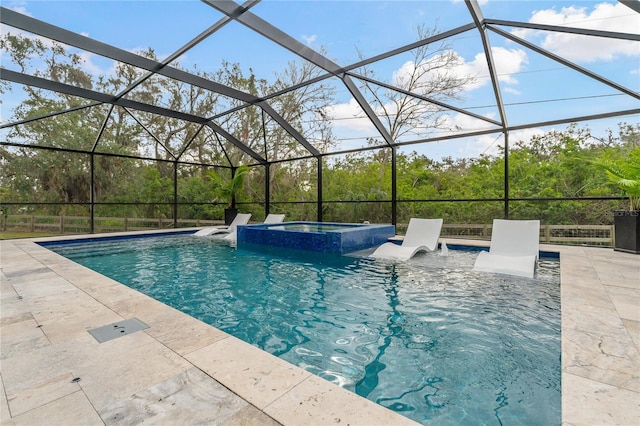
{"x":531,"y":85}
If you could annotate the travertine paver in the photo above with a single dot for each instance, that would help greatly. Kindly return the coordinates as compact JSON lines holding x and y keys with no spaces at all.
{"x":312,"y":403}
{"x":600,"y":361}
{"x":626,"y":301}
{"x":4,"y":406}
{"x":633,"y":327}
{"x":258,"y":376}
{"x":591,"y":403}
{"x":169,"y":372}
{"x":72,"y":409}
{"x":201,"y":399}
{"x":171,"y":327}
{"x":55,"y":373}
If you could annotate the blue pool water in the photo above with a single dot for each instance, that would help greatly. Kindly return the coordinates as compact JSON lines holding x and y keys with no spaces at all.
{"x":430,"y":338}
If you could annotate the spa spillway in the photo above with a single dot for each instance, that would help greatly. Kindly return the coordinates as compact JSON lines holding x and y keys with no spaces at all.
{"x":326,"y":237}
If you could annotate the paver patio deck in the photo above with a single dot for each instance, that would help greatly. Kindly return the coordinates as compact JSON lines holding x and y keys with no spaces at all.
{"x":182,"y":371}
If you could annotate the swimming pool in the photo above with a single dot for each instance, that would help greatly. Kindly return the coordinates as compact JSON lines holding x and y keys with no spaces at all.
{"x":430,"y":338}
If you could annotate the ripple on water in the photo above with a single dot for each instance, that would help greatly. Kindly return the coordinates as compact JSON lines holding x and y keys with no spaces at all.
{"x":428,"y":338}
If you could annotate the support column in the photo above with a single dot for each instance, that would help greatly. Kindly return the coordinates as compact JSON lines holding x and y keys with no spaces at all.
{"x":267,"y":189}
{"x":92,"y":193}
{"x":394,"y":187}
{"x":319,"y":203}
{"x":506,"y":175}
{"x":175,"y":194}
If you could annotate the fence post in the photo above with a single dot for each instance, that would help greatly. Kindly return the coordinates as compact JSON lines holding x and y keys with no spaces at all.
{"x":126,"y":224}
{"x":547,"y":234}
{"x":32,"y":225}
{"x":612,"y":235}
{"x":62,"y":224}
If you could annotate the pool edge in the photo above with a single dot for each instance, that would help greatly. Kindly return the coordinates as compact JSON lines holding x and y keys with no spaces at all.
{"x":589,"y":392}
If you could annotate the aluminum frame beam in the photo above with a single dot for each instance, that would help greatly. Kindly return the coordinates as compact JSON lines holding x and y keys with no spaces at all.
{"x":559,"y":29}
{"x":32,"y":25}
{"x":564,"y":62}
{"x":480,"y":22}
{"x":267,"y":30}
{"x":284,"y":40}
{"x":478,"y":19}
{"x":632,"y":4}
{"x":49,"y":115}
{"x":371,"y":60}
{"x":52,"y":32}
{"x":67,"y":89}
{"x":425,"y":98}
{"x":189,"y":45}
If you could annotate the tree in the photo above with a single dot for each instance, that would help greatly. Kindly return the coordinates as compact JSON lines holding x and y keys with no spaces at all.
{"x":429,"y":74}
{"x":551,"y":165}
{"x":623,"y":169}
{"x":35,"y":171}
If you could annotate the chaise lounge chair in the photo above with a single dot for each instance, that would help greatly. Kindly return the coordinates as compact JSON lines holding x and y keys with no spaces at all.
{"x":240,"y":219}
{"x":514,"y":248}
{"x":274,"y":218}
{"x":271,"y":218}
{"x":422,"y":235}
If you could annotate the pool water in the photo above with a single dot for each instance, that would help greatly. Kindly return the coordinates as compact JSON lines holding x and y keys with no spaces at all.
{"x":430,"y":338}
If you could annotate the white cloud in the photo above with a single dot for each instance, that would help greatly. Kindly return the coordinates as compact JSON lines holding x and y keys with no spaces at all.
{"x":525,"y":135}
{"x":604,"y":16}
{"x":467,"y":122}
{"x":350,"y":118}
{"x":486,"y":144}
{"x":511,"y":90}
{"x":489,"y":144}
{"x":90,"y":67}
{"x":346,"y":126}
{"x":20,"y":7}
{"x":507,"y":63}
{"x":309,"y":40}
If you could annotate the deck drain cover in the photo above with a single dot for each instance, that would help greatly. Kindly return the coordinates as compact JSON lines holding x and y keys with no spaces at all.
{"x":118,"y":329}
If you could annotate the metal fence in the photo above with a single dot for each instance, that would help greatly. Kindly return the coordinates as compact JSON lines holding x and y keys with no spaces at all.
{"x":588,"y":235}
{"x":82,"y":224}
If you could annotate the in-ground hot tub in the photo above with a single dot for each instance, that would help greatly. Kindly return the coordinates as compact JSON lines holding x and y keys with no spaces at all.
{"x":327,"y":237}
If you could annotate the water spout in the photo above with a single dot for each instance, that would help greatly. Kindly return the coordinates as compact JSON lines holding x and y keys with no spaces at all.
{"x":444,"y":250}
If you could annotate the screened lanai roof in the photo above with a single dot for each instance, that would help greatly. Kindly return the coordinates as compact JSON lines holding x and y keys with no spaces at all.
{"x":355,"y":65}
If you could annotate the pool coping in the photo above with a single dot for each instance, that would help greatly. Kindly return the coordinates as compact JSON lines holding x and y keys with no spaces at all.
{"x":600,"y":296}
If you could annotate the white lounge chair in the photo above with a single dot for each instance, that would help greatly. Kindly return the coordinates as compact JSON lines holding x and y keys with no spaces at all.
{"x":271,"y":218}
{"x":240,"y":219}
{"x":274,"y":218}
{"x":514,"y":248}
{"x":422,"y":235}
